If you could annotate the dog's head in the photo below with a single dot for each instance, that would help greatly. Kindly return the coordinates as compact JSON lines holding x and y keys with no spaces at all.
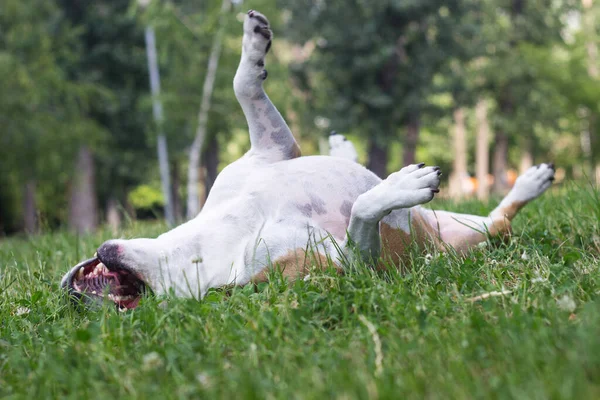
{"x":121,"y":271}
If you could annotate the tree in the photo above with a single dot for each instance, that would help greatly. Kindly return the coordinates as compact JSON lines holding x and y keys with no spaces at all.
{"x":40,"y":108}
{"x":111,"y":51}
{"x":378,"y":60}
{"x":511,"y":28}
{"x":193,"y":201}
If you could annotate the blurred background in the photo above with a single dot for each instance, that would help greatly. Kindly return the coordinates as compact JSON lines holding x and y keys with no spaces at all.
{"x":112,"y":110}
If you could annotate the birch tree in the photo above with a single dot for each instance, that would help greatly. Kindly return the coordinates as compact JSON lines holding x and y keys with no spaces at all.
{"x":193,"y":196}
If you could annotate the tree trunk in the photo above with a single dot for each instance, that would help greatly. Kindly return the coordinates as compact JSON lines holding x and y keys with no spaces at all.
{"x":113,"y":216}
{"x":482,"y":159}
{"x":193,"y":199}
{"x":589,"y":26}
{"x":378,"y":157}
{"x":500,"y":163}
{"x":211,"y":163}
{"x":500,"y":157}
{"x":161,"y":143}
{"x":83,"y":208}
{"x":591,"y":46}
{"x":175,"y":184}
{"x":459,"y":168}
{"x":30,"y":220}
{"x":411,"y":139}
{"x":526,"y":157}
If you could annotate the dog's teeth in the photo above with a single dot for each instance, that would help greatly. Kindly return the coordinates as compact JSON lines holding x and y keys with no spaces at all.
{"x":80,"y":274}
{"x":94,"y":292}
{"x":100,"y":269}
{"x":119,"y":298}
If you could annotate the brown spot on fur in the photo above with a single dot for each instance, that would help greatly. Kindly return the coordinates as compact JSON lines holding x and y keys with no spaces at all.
{"x":501,"y":225}
{"x":296,"y":264}
{"x":395,"y":243}
{"x":296,"y":152}
{"x":424,"y":232}
{"x":511,"y":210}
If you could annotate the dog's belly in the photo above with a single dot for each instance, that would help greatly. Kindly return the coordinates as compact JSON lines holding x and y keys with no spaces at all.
{"x":318,"y":190}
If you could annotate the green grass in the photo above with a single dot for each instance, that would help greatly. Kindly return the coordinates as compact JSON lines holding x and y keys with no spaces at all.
{"x":362,"y":335}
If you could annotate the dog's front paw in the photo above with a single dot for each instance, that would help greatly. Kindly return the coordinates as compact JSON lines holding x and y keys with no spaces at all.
{"x":257,"y":37}
{"x":340,"y":146}
{"x":413,"y":185}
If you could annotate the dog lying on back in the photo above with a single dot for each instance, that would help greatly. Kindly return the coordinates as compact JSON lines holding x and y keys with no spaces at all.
{"x":275,"y":209}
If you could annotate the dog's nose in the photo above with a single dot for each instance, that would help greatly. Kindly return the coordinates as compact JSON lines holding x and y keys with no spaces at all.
{"x":110,"y":252}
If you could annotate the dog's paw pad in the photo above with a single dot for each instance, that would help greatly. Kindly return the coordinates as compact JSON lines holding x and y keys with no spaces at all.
{"x":256,"y":28}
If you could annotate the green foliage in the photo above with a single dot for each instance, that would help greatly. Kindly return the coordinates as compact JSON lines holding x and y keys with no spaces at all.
{"x":313,"y":338}
{"x":74,"y":73}
{"x":42,"y":111}
{"x":146,"y":196}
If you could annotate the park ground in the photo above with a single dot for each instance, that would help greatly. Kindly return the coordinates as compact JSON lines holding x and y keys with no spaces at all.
{"x":441,"y":331}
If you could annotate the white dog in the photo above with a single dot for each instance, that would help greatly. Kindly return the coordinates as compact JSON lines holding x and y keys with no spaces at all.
{"x":273,"y":208}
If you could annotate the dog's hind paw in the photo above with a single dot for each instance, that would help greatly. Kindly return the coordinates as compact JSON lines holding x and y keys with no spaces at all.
{"x":257,"y":37}
{"x":535,"y":181}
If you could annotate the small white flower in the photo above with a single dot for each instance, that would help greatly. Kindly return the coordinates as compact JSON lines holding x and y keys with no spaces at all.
{"x":307,"y":278}
{"x":538,"y":279}
{"x":482,"y":245}
{"x":566,"y":303}
{"x":204,"y":379}
{"x":428,"y":258}
{"x":524,"y":256}
{"x":22,"y":311}
{"x":151,"y":361}
{"x":163,"y":305}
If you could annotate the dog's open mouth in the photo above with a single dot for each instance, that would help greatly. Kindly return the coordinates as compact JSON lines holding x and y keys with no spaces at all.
{"x":93,"y":280}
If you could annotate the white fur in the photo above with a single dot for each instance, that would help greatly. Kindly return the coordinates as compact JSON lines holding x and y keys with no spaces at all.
{"x":339,"y":146}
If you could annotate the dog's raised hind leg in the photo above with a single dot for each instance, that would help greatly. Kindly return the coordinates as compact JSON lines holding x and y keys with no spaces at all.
{"x":270,"y":138}
{"x":407,"y":188}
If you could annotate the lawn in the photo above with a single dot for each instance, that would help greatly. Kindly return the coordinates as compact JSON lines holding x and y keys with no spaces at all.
{"x":371,"y":335}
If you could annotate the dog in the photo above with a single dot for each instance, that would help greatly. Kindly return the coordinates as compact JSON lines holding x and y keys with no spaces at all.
{"x":273,"y":209}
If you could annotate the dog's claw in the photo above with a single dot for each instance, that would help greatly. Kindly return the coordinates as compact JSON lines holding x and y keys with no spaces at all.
{"x":421,"y":165}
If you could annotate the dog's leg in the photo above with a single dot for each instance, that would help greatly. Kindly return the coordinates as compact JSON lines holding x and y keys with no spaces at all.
{"x":270,"y":138}
{"x":409,"y":187}
{"x":339,"y":146}
{"x":463,"y":231}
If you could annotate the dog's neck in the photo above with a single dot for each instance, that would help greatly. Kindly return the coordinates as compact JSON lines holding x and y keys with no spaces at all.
{"x":190,"y":259}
